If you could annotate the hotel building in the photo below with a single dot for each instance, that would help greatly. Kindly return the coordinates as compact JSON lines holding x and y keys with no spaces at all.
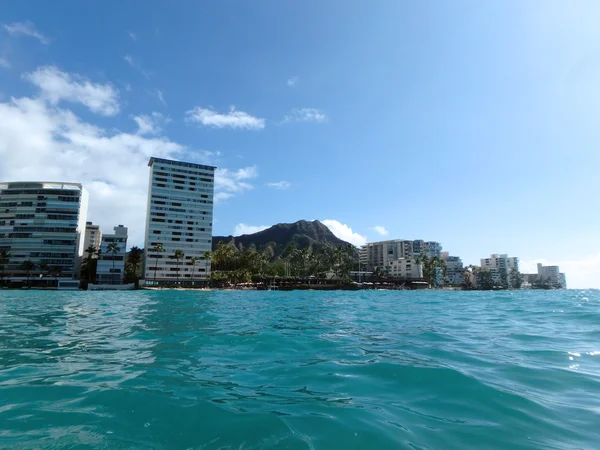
{"x":111,"y":264}
{"x":179,"y":217}
{"x":43,"y":223}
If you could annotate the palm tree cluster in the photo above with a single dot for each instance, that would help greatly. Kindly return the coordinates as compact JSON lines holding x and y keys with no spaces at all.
{"x":230,"y":265}
{"x":433,"y":267}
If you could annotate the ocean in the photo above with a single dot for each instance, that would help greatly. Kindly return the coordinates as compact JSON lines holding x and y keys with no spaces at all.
{"x":300,"y":370}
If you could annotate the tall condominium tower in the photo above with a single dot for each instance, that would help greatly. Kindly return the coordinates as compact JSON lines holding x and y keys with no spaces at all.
{"x":179,"y":217}
{"x":42,"y":224}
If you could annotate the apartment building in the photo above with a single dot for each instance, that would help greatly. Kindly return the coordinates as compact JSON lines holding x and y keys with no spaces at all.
{"x":43,"y":223}
{"x":454,"y":269}
{"x":93,"y":237}
{"x":552,"y":275}
{"x":111,"y":258}
{"x":179,"y":217}
{"x":405,"y":268}
{"x":380,"y":254}
{"x":501,"y":265}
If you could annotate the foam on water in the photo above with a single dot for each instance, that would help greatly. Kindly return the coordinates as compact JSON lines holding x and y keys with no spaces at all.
{"x":370,"y":369}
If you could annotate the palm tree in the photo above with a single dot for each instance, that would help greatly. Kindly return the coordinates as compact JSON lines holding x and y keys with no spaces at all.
{"x":89,"y":262}
{"x":114,"y":249}
{"x":157,"y":248}
{"x":178,"y":255}
{"x":27,"y":266}
{"x":133,"y":262}
{"x":56,"y":270}
{"x":194,"y":261}
{"x":207,"y":257}
{"x":4,"y":257}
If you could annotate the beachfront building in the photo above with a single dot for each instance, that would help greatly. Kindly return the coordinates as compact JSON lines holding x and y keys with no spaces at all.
{"x":111,"y":257}
{"x":379,"y":254}
{"x":501,"y":266}
{"x":42,"y":226}
{"x":552,"y":276}
{"x":407,"y":268}
{"x":454,"y":270}
{"x":179,"y":217}
{"x":93,"y":237}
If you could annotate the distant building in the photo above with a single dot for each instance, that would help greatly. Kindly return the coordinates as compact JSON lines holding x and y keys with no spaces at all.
{"x":379,"y":254}
{"x":93,"y":236}
{"x":501,"y":266}
{"x":43,"y":223}
{"x":179,"y":217}
{"x":551,"y":275}
{"x":405,"y":268}
{"x":111,"y":264}
{"x":454,"y":269}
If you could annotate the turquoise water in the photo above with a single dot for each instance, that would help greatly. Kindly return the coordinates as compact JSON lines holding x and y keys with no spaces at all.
{"x":300,"y":370}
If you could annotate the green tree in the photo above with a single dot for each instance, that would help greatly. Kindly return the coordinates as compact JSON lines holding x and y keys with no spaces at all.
{"x":4,"y":258}
{"x":207,"y":258}
{"x":194,"y":260}
{"x":157,"y":250}
{"x":178,"y":256}
{"x":114,"y":249}
{"x":27,"y":267}
{"x":89,"y":264}
{"x":516,"y":279}
{"x":485,"y":280}
{"x":132,"y":266}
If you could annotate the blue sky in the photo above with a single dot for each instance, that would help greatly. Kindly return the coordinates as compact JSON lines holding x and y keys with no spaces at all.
{"x":471,"y":123}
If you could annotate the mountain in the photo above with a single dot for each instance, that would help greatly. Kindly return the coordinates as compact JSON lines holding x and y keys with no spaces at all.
{"x":302,"y":234}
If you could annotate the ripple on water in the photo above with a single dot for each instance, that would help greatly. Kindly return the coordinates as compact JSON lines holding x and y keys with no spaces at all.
{"x":415,"y":370}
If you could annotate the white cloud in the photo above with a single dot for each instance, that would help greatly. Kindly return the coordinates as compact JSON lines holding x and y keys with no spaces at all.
{"x":57,"y":86}
{"x":344,"y":232}
{"x":41,"y":141}
{"x":132,"y":35}
{"x":150,"y":123}
{"x":279,"y":184}
{"x":305,"y":115}
{"x":230,"y":182}
{"x":380,"y":230}
{"x":232,"y":119}
{"x":581,"y":273}
{"x":5,"y":63}
{"x":26,"y":28}
{"x":293,"y":81}
{"x":242,"y":228}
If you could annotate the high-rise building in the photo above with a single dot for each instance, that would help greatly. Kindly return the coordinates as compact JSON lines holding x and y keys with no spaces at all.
{"x":380,"y":254}
{"x":93,"y":237}
{"x":42,"y":223}
{"x":552,"y":276}
{"x":179,"y":217}
{"x":501,"y":267}
{"x":111,"y":259}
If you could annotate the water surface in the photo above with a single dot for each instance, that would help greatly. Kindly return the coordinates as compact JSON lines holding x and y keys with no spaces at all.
{"x":300,"y":370}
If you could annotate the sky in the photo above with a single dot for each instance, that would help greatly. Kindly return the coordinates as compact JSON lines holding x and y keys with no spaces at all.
{"x":474,"y":124}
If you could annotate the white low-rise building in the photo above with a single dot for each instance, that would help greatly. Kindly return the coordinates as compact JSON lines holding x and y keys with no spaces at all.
{"x":111,"y":264}
{"x":405,"y":268}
